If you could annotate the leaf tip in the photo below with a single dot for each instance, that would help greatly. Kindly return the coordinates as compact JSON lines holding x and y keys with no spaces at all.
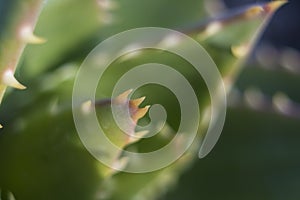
{"x":274,"y":5}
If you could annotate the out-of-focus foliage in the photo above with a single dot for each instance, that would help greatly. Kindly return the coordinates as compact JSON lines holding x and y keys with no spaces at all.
{"x":40,"y":152}
{"x":257,"y":156}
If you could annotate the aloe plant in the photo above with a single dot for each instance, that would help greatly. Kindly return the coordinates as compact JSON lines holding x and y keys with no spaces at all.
{"x":41,"y":154}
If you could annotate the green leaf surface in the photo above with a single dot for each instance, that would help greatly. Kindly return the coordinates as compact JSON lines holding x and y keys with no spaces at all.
{"x":41,"y":153}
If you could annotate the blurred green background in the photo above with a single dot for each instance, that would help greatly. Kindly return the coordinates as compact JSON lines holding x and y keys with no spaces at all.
{"x":256,"y":157}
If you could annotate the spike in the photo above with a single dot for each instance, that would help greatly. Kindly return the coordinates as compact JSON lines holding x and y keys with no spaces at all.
{"x":137,"y":102}
{"x":213,"y":28}
{"x":254,"y":98}
{"x":121,"y":163}
{"x":274,"y":5}
{"x":137,"y":136}
{"x":240,"y":50}
{"x":170,"y":41}
{"x":123,"y":98}
{"x":107,"y":4}
{"x":210,"y":30}
{"x":254,"y":11}
{"x":9,"y":80}
{"x":290,"y":59}
{"x":140,"y":113}
{"x":141,"y":134}
{"x":53,"y":107}
{"x":282,"y":102}
{"x":86,"y":107}
{"x":28,"y":36}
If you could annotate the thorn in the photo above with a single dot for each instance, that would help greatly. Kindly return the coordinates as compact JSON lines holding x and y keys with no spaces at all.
{"x":9,"y":80}
{"x":131,"y":51}
{"x":121,"y":163}
{"x":123,"y":98}
{"x":141,"y":134}
{"x":130,"y":55}
{"x":282,"y":102}
{"x":254,"y":98}
{"x":28,"y":36}
{"x":210,"y":30}
{"x":137,"y":102}
{"x":254,"y":11}
{"x":290,"y":59}
{"x":53,"y":107}
{"x":170,"y":41}
{"x":240,"y":50}
{"x":107,"y":4}
{"x":137,"y":136}
{"x":140,"y":113}
{"x":86,"y":107}
{"x":274,"y":5}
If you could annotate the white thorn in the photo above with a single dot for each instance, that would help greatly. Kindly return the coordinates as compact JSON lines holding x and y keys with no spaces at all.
{"x":210,"y":30}
{"x":107,"y":4}
{"x":53,"y":107}
{"x":254,"y":98}
{"x":170,"y":41}
{"x":282,"y":103}
{"x":290,"y":60}
{"x":130,"y":51}
{"x":141,"y":134}
{"x":28,"y":36}
{"x":141,"y":112}
{"x":121,"y":163}
{"x":254,"y":11}
{"x":137,"y":102}
{"x":86,"y":107}
{"x":240,"y":51}
{"x":9,"y":80}
{"x":138,"y":136}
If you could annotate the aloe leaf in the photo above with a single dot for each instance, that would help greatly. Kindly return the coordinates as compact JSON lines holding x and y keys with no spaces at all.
{"x":43,"y":138}
{"x":68,"y":25}
{"x":144,"y":185}
{"x":16,"y":31}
